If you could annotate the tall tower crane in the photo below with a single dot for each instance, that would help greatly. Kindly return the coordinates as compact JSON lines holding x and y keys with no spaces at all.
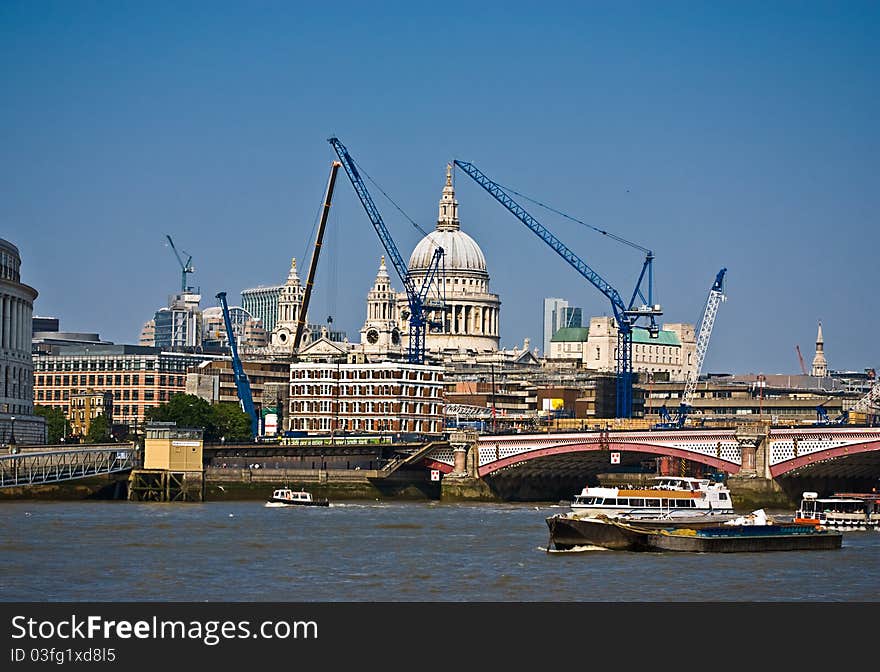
{"x":626,"y":315}
{"x":310,"y":280}
{"x":716,"y":296}
{"x":185,"y":266}
{"x":419,"y":307}
{"x":801,"y":360}
{"x":242,"y":384}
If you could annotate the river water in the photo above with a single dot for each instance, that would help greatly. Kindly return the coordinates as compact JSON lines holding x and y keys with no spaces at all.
{"x":380,"y":551}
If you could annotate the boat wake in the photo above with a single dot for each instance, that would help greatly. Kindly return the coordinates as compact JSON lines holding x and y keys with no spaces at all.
{"x":574,"y":549}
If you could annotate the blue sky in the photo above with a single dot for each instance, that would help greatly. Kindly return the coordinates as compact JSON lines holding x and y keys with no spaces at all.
{"x":716,"y":134}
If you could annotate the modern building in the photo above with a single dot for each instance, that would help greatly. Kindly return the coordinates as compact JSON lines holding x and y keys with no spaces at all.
{"x":18,"y":424}
{"x":558,"y":315}
{"x":379,"y":397}
{"x":179,"y":326}
{"x":138,"y":377}
{"x":148,"y":334}
{"x":248,"y":331}
{"x":776,"y":398}
{"x":45,"y":324}
{"x":262,"y":304}
{"x":214,"y":380}
{"x":467,"y":314}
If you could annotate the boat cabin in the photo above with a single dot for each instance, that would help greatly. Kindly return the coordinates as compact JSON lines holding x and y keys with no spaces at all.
{"x":837,"y":508}
{"x":292,"y":495}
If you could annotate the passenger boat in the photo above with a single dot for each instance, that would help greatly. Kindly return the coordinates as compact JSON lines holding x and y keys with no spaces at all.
{"x":668,"y":497}
{"x":842,"y":511}
{"x":287,"y":497}
{"x":750,"y":534}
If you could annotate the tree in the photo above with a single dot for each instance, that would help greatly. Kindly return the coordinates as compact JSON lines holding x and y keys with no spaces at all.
{"x":57,"y":425}
{"x":187,"y":410}
{"x":231,"y":422}
{"x":99,"y":430}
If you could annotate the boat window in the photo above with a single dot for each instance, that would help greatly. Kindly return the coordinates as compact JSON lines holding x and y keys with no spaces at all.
{"x":654,"y":503}
{"x":608,"y":501}
{"x":622,"y":501}
{"x":722,"y":495}
{"x":636,"y":502}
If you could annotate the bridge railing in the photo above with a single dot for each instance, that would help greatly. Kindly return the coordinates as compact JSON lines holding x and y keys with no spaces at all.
{"x":37,"y":468}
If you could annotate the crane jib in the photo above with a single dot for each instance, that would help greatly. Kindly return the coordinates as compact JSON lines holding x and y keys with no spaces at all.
{"x":415,"y":297}
{"x":561,"y":249}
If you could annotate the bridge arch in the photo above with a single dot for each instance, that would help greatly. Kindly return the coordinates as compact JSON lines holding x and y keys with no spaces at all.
{"x":798,"y":462}
{"x":611,"y":445}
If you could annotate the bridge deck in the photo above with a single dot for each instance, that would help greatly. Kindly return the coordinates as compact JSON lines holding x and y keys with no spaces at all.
{"x":39,"y":468}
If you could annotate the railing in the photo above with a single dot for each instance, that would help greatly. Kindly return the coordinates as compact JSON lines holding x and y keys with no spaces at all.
{"x":38,"y":468}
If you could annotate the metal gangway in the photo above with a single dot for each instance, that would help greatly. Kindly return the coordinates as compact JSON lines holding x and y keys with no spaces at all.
{"x":39,"y":467}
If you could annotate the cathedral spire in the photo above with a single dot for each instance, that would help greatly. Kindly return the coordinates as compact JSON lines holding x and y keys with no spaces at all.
{"x":820,"y":366}
{"x":447,"y":218}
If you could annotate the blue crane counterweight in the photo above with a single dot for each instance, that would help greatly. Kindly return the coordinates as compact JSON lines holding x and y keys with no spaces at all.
{"x":625,"y":315}
{"x":242,"y":384}
{"x":419,"y":307}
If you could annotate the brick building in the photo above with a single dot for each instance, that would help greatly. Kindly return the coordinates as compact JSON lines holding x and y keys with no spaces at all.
{"x":367,"y":397}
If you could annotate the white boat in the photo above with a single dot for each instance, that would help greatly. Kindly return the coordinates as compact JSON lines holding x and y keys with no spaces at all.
{"x":287,"y":497}
{"x":667,"y":498}
{"x":842,"y":511}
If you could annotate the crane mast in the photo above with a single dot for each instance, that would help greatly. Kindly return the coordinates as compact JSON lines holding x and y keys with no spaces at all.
{"x":416,"y":296}
{"x":625,"y":315}
{"x":242,"y":384}
{"x":301,"y":322}
{"x":716,"y":296}
{"x":185,"y":266}
{"x":801,"y":360}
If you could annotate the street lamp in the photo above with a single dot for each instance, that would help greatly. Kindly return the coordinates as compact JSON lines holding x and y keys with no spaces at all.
{"x":12,"y":442}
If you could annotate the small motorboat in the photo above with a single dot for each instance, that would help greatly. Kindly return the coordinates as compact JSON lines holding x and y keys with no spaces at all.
{"x":287,"y":497}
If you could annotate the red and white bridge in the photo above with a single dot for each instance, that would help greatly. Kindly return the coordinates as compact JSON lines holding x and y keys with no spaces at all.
{"x":784,"y":450}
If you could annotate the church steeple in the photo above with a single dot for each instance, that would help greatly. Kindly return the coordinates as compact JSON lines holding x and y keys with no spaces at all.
{"x":447,"y":218}
{"x":820,"y":366}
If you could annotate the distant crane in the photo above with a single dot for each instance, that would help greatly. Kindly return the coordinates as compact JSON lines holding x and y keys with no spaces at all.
{"x":419,"y":307}
{"x":185,"y":266}
{"x":716,"y":296}
{"x":625,"y":314}
{"x":242,"y":384}
{"x":868,"y":403}
{"x":301,"y":322}
{"x":801,"y":360}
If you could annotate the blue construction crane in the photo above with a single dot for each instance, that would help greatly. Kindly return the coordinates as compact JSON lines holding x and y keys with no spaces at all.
{"x":242,"y":384}
{"x":419,"y":307}
{"x":626,"y":315}
{"x":185,"y":266}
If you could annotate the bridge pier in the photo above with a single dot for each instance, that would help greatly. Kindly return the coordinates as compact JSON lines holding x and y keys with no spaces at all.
{"x":463,"y":482}
{"x":753,"y":486}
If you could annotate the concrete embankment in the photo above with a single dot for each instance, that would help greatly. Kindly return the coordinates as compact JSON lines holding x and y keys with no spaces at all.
{"x":105,"y":486}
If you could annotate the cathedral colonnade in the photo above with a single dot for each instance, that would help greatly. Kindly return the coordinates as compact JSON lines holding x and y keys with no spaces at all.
{"x":16,"y":364}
